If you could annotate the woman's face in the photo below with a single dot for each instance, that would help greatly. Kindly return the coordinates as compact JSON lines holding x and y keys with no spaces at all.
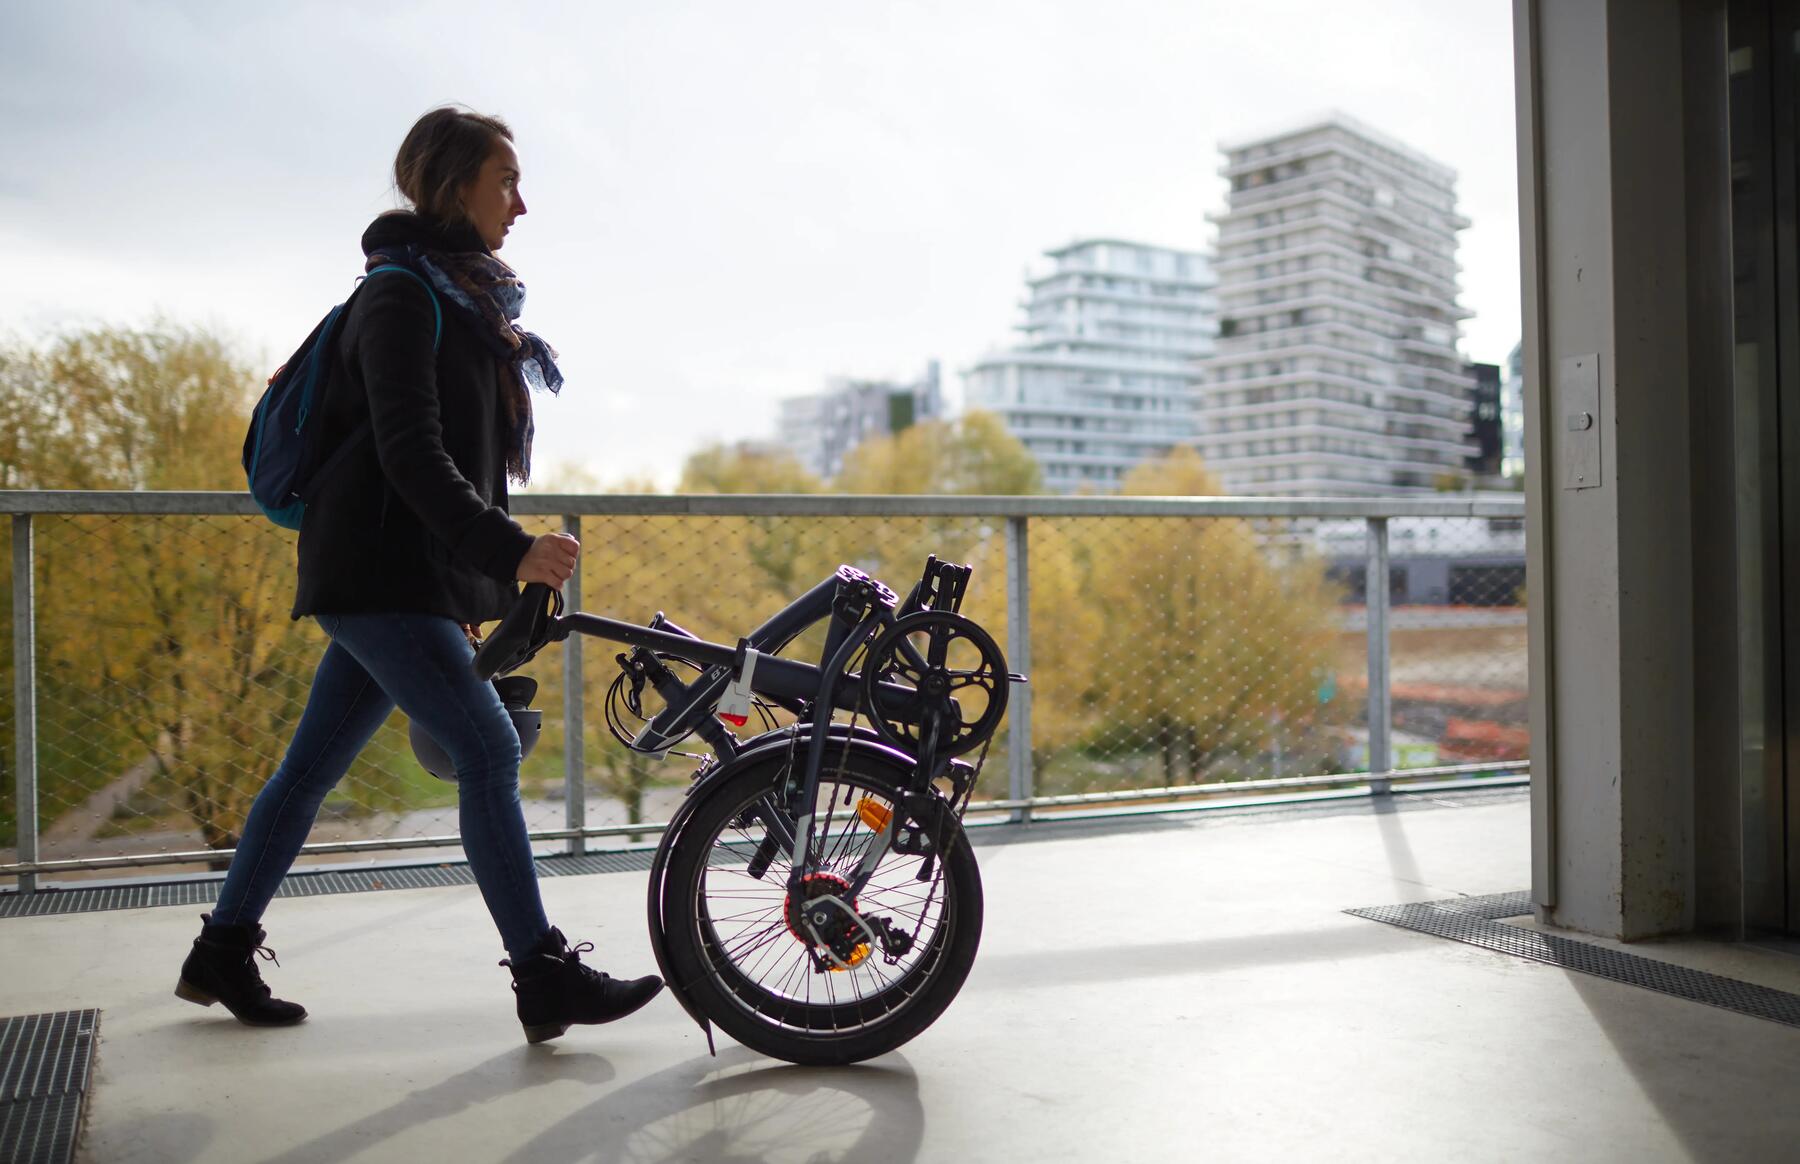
{"x":492,"y":199}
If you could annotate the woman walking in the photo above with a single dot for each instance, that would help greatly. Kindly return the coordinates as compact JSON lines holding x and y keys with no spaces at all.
{"x":406,"y":541}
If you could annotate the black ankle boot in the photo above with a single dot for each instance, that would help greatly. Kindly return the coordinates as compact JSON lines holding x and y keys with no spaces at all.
{"x":222,"y":968}
{"x":555,"y":990}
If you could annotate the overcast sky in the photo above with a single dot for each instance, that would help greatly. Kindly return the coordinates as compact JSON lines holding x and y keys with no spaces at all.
{"x":728,"y":202}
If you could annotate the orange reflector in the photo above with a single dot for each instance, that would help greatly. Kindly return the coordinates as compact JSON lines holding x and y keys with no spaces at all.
{"x":874,"y":813}
{"x":855,"y":958}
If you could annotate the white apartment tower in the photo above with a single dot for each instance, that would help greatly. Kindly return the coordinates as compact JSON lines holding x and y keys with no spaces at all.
{"x":1336,"y":370}
{"x":1512,"y":414}
{"x":1104,"y":375}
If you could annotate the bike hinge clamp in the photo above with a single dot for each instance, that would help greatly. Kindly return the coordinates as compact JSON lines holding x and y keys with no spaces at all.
{"x":734,"y":705}
{"x":858,"y":595}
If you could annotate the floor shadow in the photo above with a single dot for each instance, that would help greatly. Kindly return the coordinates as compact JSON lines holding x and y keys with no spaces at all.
{"x":1113,"y":964}
{"x":1403,"y":867}
{"x":157,"y":1135}
{"x":1724,"y":1084}
{"x":501,"y":1076}
{"x":195,"y":1031}
{"x":739,"y":1108}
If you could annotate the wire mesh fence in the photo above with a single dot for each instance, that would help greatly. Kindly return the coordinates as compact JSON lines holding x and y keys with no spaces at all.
{"x":1178,"y":651}
{"x":1456,"y":637}
{"x":1164,"y":650}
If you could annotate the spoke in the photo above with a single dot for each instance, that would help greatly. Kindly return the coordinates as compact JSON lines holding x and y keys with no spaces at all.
{"x":798,"y":966}
{"x":770,"y":952}
{"x":754,"y":942}
{"x":756,"y":958}
{"x":746,"y":940}
{"x":738,"y":917}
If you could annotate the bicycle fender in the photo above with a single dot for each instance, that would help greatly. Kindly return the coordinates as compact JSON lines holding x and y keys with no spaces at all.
{"x":659,"y":940}
{"x":780,"y":736}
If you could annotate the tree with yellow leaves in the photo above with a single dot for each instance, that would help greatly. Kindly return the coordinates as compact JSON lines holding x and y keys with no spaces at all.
{"x":1213,"y":640}
{"x":166,"y":632}
{"x":160,"y":637}
{"x":973,"y":455}
{"x":769,"y":544}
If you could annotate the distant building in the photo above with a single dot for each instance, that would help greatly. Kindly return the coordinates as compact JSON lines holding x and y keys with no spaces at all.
{"x":1485,"y":430}
{"x":1103,"y":376}
{"x":1512,"y":415}
{"x":820,"y":428}
{"x":1337,"y":370}
{"x":1432,"y":561}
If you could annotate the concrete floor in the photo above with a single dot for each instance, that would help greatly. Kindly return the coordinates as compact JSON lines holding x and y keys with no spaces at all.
{"x":1182,"y":989}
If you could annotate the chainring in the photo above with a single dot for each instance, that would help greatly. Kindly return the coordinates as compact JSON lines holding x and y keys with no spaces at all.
{"x":957,"y":675}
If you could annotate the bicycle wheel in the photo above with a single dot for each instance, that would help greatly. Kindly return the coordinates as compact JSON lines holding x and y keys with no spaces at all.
{"x":750,"y":964}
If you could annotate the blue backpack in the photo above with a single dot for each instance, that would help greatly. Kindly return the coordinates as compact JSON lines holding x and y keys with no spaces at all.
{"x":279,"y":457}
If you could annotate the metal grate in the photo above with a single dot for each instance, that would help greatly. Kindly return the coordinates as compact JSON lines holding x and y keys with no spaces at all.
{"x":1493,"y":906}
{"x":46,"y":1063}
{"x":1473,"y":920}
{"x":205,"y":890}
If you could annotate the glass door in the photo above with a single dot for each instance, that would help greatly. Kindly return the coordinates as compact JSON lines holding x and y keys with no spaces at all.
{"x":1764,"y":48}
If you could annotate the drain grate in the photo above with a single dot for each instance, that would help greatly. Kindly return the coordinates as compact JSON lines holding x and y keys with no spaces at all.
{"x":205,"y":890}
{"x":1493,"y":907}
{"x":46,"y":1062}
{"x":1474,"y":921}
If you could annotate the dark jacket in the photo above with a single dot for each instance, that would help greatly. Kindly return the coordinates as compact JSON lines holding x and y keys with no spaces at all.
{"x":413,"y":518}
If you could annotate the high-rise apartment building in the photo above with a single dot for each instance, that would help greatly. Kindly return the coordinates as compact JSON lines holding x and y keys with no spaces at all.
{"x":1103,"y":377}
{"x":1512,"y":414}
{"x":1486,"y":433}
{"x":1336,"y":370}
{"x":820,"y":428}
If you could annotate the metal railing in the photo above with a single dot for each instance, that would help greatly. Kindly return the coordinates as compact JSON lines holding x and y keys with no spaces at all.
{"x":1153,"y":721}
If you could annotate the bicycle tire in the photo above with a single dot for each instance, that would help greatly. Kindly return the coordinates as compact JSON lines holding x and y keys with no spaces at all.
{"x":788,"y":1010}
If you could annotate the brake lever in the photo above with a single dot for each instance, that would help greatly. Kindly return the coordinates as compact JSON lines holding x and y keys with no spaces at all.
{"x":635,"y":671}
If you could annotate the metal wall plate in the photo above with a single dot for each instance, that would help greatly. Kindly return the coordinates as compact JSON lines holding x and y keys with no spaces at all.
{"x":1578,"y":402}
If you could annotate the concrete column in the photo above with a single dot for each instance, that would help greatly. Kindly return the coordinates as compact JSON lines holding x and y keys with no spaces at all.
{"x":1604,"y":216}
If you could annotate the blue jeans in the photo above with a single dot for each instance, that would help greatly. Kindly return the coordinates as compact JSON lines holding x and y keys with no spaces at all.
{"x":421,"y":663}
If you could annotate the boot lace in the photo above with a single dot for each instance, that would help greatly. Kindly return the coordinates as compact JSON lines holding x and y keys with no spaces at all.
{"x":568,"y":955}
{"x":573,"y":957}
{"x":252,"y":973}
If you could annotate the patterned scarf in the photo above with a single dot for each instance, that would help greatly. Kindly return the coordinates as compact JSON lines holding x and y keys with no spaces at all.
{"x":488,"y":296}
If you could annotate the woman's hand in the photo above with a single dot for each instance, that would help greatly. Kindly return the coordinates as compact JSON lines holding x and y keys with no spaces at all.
{"x":550,"y":559}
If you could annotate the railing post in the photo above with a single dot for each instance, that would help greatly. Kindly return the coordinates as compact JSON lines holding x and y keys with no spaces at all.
{"x":24,"y":616}
{"x":1381,"y":711}
{"x":1019,"y":776}
{"x":574,"y":731}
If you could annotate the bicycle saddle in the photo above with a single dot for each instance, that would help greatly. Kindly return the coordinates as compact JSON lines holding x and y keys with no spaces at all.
{"x":526,"y":629}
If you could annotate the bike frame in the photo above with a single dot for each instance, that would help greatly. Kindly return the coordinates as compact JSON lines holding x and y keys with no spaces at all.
{"x":858,"y":607}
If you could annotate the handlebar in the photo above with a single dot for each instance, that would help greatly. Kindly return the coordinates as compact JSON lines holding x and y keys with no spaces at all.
{"x":528,"y":627}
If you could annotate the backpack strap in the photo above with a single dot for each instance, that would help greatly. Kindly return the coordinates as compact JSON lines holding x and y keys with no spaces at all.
{"x":361,"y":432}
{"x":437,"y":308}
